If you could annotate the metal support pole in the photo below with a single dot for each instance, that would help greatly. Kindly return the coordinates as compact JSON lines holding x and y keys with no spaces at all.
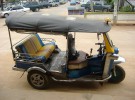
{"x":115,"y":13}
{"x":11,"y":43}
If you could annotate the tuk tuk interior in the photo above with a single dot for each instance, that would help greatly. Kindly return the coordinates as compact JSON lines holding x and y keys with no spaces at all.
{"x":43,"y":58}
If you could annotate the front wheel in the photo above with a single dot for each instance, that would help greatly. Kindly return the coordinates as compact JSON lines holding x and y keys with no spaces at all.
{"x":120,"y":75}
{"x":38,"y":80}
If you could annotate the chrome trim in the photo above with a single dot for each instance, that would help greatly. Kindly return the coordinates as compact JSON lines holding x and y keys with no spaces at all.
{"x":18,"y":69}
{"x":81,"y":79}
{"x":106,"y":65}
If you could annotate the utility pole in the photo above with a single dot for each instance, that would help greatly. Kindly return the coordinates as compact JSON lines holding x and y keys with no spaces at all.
{"x":91,"y":6}
{"x":115,"y":13}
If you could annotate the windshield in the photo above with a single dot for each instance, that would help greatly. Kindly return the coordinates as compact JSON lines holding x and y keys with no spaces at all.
{"x":7,"y":9}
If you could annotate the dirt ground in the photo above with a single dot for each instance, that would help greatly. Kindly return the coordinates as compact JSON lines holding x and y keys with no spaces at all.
{"x":12,"y":87}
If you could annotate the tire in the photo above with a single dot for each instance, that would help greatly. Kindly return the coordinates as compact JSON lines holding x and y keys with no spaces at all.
{"x":47,"y":6}
{"x":120,"y":75}
{"x":105,"y":10}
{"x":37,"y":9}
{"x":38,"y":80}
{"x":33,"y":10}
{"x":6,"y":15}
{"x":87,"y":9}
{"x":56,"y":5}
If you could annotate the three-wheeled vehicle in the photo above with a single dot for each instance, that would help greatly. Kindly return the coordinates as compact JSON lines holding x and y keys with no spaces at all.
{"x":44,"y":61}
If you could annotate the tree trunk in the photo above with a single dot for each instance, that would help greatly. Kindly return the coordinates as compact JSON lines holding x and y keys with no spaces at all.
{"x":115,"y":14}
{"x":91,"y":6}
{"x":2,"y":5}
{"x":121,"y":3}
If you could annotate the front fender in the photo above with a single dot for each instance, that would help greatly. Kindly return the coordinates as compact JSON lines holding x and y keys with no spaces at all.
{"x":119,"y":60}
{"x":36,"y":69}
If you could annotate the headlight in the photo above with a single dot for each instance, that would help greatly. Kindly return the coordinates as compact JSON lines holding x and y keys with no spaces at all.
{"x":116,"y":50}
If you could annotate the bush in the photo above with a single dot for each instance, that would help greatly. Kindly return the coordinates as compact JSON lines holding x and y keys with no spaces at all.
{"x":126,"y":9}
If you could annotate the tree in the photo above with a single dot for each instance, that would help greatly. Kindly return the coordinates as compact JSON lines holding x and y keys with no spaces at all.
{"x":121,"y":3}
{"x":13,"y":0}
{"x":2,"y":5}
{"x":91,"y":5}
{"x":108,"y":1}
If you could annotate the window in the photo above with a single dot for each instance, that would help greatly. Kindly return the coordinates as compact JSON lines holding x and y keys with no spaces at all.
{"x":14,"y":8}
{"x":19,"y":7}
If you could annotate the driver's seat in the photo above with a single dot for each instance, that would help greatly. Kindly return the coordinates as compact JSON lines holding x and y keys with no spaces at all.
{"x":72,"y":52}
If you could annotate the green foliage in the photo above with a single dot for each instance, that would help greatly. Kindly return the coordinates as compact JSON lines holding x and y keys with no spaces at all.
{"x":13,"y":0}
{"x":110,"y":2}
{"x":126,"y":9}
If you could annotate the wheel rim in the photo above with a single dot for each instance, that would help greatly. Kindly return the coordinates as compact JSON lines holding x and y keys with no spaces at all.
{"x":37,"y":80}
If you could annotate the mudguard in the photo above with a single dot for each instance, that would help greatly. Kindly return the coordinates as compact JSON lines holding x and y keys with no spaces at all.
{"x":36,"y":69}
{"x":119,"y":60}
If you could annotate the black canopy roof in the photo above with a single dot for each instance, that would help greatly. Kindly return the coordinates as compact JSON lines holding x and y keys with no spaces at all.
{"x":47,"y":23}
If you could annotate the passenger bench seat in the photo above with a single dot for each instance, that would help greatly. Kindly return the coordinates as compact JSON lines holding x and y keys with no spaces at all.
{"x":35,"y":48}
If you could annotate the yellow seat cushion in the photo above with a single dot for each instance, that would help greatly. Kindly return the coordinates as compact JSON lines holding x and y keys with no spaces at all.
{"x":45,"y":53}
{"x":35,"y":47}
{"x":49,"y":47}
{"x":36,"y":42}
{"x":29,"y":47}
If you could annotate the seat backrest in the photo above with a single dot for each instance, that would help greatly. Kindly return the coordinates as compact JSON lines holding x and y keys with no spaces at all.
{"x":30,"y":45}
{"x":36,"y":43}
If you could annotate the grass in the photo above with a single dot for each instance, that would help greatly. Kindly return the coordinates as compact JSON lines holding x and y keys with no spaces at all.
{"x":88,"y":13}
{"x":109,"y":12}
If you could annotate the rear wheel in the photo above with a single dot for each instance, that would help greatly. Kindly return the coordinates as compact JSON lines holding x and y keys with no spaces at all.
{"x":37,"y":9}
{"x":105,"y":10}
{"x":87,"y":9}
{"x":47,"y":6}
{"x":56,"y":5}
{"x":38,"y":80}
{"x":6,"y":15}
{"x":120,"y":75}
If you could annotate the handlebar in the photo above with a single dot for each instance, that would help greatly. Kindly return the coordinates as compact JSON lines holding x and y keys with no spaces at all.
{"x":99,"y":44}
{"x":101,"y":48}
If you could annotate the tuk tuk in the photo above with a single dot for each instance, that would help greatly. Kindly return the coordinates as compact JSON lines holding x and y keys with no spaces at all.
{"x":45,"y":61}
